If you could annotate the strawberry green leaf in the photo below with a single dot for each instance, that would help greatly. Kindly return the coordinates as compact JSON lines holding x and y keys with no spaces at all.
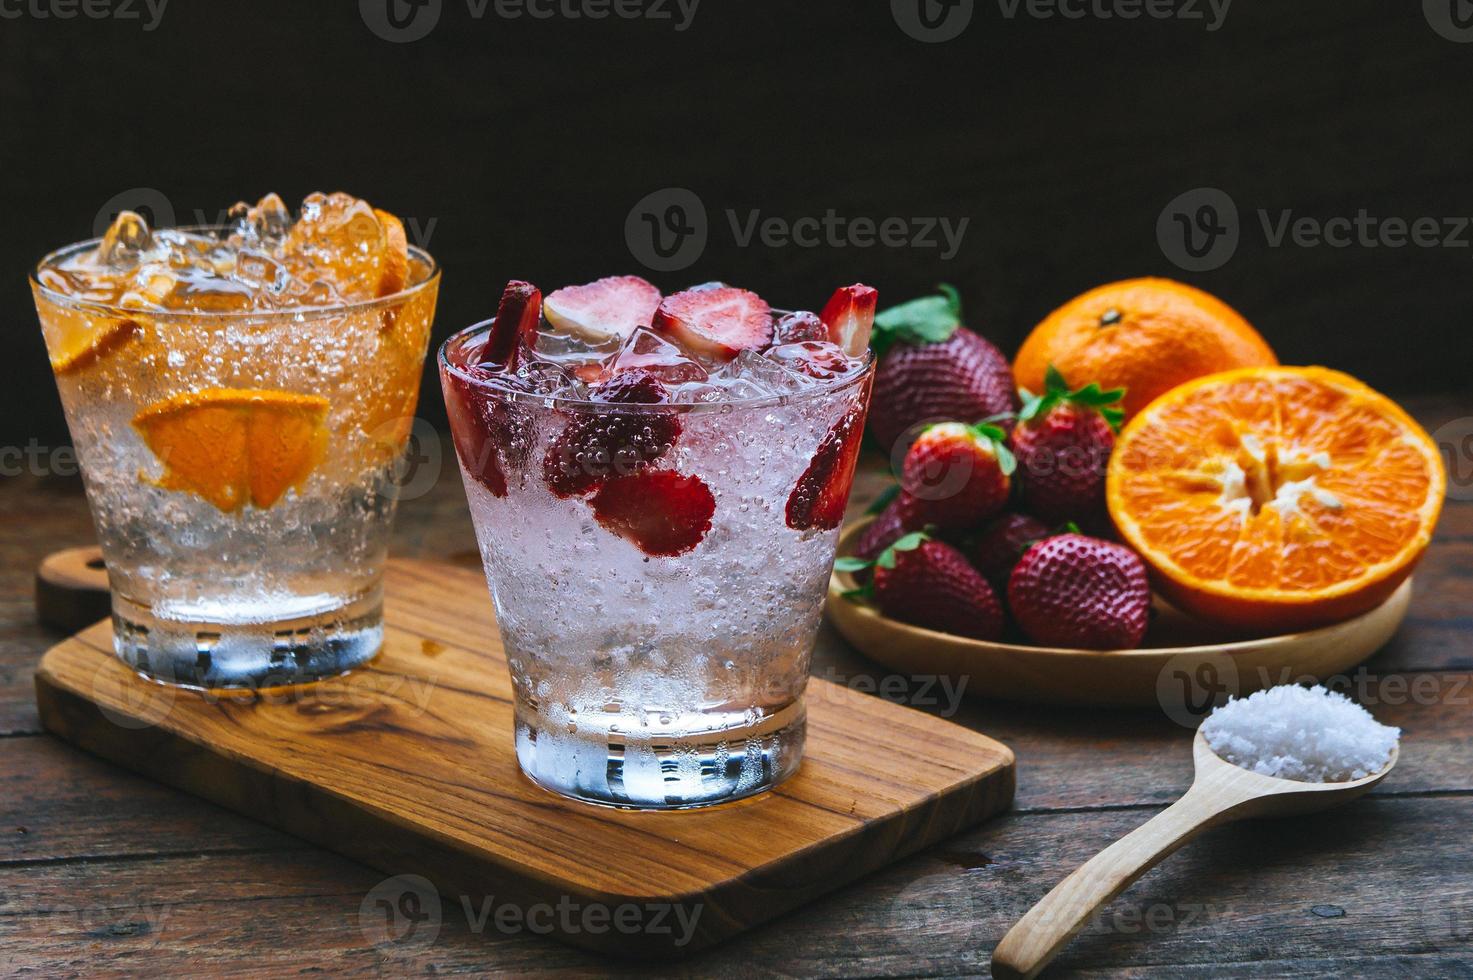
{"x":928,"y":320}
{"x":848,"y":563}
{"x":855,"y":595}
{"x":1058,"y":392}
{"x":909,"y":542}
{"x":1006,"y":461}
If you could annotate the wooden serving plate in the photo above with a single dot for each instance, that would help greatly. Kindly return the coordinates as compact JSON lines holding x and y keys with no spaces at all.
{"x":1181,"y":668}
{"x":408,"y":766}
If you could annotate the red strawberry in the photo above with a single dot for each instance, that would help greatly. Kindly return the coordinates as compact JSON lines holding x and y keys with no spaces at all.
{"x":478,"y":430}
{"x":815,"y":358}
{"x":1063,"y":441}
{"x":849,"y":316}
{"x":957,"y":475}
{"x":1002,"y":542}
{"x":515,"y":325}
{"x":611,"y":307}
{"x":662,"y":513}
{"x":933,"y":368}
{"x":716,"y":321}
{"x":887,"y":528}
{"x":931,"y":584}
{"x":1074,"y":591}
{"x":822,"y":492}
{"x":599,"y":445}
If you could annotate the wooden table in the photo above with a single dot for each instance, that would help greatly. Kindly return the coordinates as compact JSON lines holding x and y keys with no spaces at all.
{"x":100,"y":869}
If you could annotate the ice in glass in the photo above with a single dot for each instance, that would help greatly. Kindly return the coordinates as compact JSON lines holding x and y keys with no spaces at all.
{"x":238,"y":397}
{"x":657,"y":484}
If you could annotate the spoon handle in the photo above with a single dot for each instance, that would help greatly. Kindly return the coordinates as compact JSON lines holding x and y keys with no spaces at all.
{"x":1036,"y":939}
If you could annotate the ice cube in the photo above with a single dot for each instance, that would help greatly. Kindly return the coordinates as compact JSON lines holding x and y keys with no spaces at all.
{"x":648,"y":351}
{"x":697,"y":392}
{"x":126,"y":240}
{"x":575,"y":351}
{"x":767,"y":375}
{"x":546,"y":377}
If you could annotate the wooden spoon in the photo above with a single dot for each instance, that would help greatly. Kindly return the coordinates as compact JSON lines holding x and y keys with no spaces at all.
{"x":1220,"y":793}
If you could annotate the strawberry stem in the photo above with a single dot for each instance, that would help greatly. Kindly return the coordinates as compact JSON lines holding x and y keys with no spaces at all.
{"x":927,"y":320}
{"x":1057,"y":392}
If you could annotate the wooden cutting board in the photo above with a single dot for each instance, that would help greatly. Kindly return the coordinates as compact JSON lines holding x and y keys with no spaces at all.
{"x":409,"y":767}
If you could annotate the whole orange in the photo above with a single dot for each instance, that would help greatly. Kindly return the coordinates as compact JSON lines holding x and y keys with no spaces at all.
{"x":1144,"y":335}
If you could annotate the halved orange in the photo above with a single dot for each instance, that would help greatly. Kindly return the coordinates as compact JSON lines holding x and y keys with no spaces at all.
{"x":1276,"y":499}
{"x":234,"y":446}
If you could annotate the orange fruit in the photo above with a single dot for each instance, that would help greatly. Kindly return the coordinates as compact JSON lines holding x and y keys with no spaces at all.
{"x":234,"y":446}
{"x":1276,"y":499}
{"x":360,"y":251}
{"x":78,"y":341}
{"x":395,"y":274}
{"x":1144,"y":335}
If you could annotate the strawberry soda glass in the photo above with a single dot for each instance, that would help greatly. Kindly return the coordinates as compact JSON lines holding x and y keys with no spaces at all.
{"x":239,"y":397}
{"x":657,"y":485}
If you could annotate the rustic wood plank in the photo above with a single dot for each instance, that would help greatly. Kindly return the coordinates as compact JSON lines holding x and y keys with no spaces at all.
{"x":409,"y":765}
{"x":1294,"y":897}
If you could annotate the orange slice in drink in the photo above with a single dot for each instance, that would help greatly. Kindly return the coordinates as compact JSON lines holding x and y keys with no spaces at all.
{"x":1276,"y":499}
{"x":339,"y":239}
{"x":78,"y":342}
{"x":234,"y":446}
{"x":395,"y":274}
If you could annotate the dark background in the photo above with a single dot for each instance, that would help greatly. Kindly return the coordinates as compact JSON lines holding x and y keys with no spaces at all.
{"x":521,"y":146}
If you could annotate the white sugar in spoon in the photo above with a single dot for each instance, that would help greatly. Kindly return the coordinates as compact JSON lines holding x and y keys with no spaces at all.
{"x":1220,"y":793}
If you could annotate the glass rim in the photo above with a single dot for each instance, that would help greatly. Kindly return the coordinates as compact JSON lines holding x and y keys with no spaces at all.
{"x":68,"y":301}
{"x":491,"y":385}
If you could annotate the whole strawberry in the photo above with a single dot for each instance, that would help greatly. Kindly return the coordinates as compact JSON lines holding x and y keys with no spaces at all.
{"x":957,"y":475}
{"x":931,"y":584}
{"x":1002,"y":542}
{"x":1075,"y":591}
{"x":1063,"y":441}
{"x":888,"y":527}
{"x":932,"y":368}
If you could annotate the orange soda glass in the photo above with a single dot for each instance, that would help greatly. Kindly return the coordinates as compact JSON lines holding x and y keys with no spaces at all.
{"x":239,"y":397}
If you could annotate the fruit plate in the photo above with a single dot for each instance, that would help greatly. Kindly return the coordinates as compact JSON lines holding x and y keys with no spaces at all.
{"x":1182,"y":663}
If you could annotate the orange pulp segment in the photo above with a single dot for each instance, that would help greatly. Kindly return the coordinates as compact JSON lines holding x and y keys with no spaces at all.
{"x":1275,"y":499}
{"x":234,"y":446}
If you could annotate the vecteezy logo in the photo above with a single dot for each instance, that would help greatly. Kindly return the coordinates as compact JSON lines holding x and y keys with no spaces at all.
{"x":150,"y":202}
{"x":1455,"y":441}
{"x":404,"y":909}
{"x":932,"y":21}
{"x":1451,"y":19}
{"x":1198,"y":230}
{"x":1190,"y":685}
{"x":400,"y":21}
{"x":667,"y":230}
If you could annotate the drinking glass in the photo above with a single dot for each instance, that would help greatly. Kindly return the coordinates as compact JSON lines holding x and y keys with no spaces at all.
{"x":654,"y":680}
{"x":240,"y":466}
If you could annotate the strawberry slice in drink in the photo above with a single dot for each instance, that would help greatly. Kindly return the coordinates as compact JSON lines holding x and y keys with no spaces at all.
{"x":660,"y":512}
{"x":598,"y":311}
{"x":850,"y":317}
{"x":515,"y":326}
{"x":716,"y":322}
{"x":598,"y":445}
{"x":477,"y":429}
{"x":822,"y":492}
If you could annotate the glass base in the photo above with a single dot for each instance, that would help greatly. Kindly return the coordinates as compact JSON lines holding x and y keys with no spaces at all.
{"x":664,"y":771}
{"x":248,"y":655}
